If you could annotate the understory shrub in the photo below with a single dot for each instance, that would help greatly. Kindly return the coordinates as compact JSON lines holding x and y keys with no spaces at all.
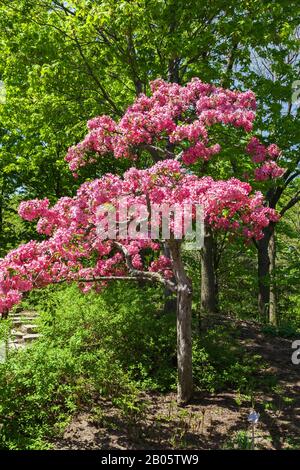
{"x":110,"y":345}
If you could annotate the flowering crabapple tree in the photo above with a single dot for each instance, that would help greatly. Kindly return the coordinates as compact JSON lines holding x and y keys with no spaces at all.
{"x":74,"y":250}
{"x":186,"y":123}
{"x":173,"y":127}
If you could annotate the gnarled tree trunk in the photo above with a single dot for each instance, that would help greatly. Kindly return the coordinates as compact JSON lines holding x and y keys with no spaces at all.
{"x":184,"y":325}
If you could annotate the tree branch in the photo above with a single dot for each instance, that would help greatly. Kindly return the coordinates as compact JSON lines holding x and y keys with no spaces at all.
{"x":156,"y":152}
{"x":151,"y":276}
{"x":291,"y":203}
{"x":102,"y":278}
{"x":230,"y":63}
{"x":132,"y":61}
{"x":95,"y":78}
{"x":292,"y":175}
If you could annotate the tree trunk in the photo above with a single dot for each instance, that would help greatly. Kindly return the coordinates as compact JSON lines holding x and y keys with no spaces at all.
{"x":208,"y":284}
{"x":174,"y":60}
{"x":273,"y":299}
{"x":264,"y":275}
{"x":169,"y":300}
{"x":184,"y":326}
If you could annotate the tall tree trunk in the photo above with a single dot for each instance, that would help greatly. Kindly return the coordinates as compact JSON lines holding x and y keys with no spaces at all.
{"x":184,"y":325}
{"x":264,"y":274}
{"x":208,"y":284}
{"x":273,"y":298}
{"x":174,"y":60}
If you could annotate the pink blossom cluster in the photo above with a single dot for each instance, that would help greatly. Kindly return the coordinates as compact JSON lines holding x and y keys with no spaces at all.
{"x":260,"y":152}
{"x":265,"y":156}
{"x":74,"y":251}
{"x":30,"y":210}
{"x":181,"y":115}
{"x":199,"y":150}
{"x":163,"y":265}
{"x":269,"y":170}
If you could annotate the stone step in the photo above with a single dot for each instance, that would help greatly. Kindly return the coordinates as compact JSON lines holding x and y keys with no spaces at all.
{"x":15,"y":345}
{"x":22,"y":319}
{"x":31,"y":337}
{"x":28,"y":313}
{"x":17,"y":334}
{"x":26,"y":317}
{"x":18,"y":308}
{"x":24,"y":314}
{"x":31,"y":328}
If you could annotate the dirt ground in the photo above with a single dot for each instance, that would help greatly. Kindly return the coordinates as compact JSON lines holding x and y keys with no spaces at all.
{"x":210,"y":421}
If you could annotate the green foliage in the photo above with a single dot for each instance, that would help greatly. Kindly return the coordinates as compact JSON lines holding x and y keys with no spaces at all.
{"x":108,"y":346}
{"x":5,"y":326}
{"x":240,"y":441}
{"x":285,"y":330}
{"x":43,"y":386}
{"x":219,"y":362}
{"x":69,"y":368}
{"x":130,"y":325}
{"x":92,"y":347}
{"x":126,"y":321}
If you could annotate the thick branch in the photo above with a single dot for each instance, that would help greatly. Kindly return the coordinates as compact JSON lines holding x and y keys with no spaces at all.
{"x":103,"y":278}
{"x":151,"y":276}
{"x":143,"y":275}
{"x":291,"y":203}
{"x":230,"y":64}
{"x":95,"y":78}
{"x":291,"y":177}
{"x":132,"y":60}
{"x":156,"y":152}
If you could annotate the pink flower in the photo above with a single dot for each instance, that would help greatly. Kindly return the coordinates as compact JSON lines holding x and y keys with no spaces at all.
{"x":259,"y":152}
{"x":273,"y":151}
{"x":166,"y":114}
{"x":269,"y":170}
{"x":71,"y":226}
{"x":33,"y":209}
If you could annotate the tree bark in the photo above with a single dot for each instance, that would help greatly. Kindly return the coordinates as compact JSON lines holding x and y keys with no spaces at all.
{"x":170,"y":302}
{"x":273,"y":320}
{"x":174,"y":60}
{"x":208,"y":283}
{"x":263,"y":262}
{"x":184,"y":326}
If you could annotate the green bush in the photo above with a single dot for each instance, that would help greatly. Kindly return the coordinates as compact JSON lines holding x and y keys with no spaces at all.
{"x":42,"y":386}
{"x":109,"y":345}
{"x":71,"y":366}
{"x":220,"y":362}
{"x":127,"y":322}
